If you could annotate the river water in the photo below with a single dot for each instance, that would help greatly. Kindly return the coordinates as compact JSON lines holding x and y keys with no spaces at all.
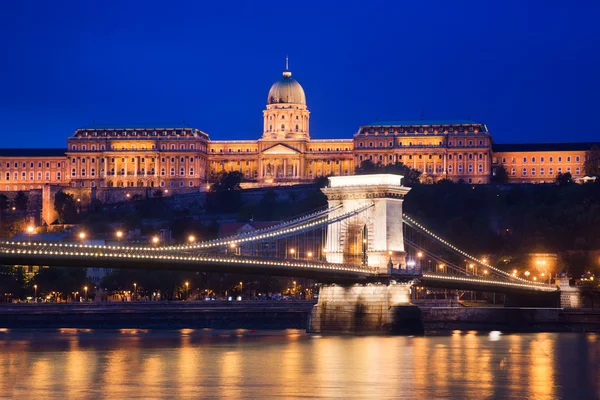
{"x":130,"y":364}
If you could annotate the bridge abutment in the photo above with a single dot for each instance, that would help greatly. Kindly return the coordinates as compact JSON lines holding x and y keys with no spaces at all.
{"x":366,"y":309}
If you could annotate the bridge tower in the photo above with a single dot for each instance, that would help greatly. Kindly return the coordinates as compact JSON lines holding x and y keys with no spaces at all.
{"x":374,"y":237}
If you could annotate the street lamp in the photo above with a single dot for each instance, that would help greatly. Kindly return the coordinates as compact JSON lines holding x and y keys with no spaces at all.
{"x":82,"y":237}
{"x":30,"y":230}
{"x":233,"y":249}
{"x":527,"y":273}
{"x":484,"y":260}
{"x":35,"y":293}
{"x":187,"y":286}
{"x":119,"y":235}
{"x":241,"y":289}
{"x":442,"y":267}
{"x":191,"y":239}
{"x":85,"y":289}
{"x":292,"y":252}
{"x":134,"y":289}
{"x":309,"y":254}
{"x":155,"y":240}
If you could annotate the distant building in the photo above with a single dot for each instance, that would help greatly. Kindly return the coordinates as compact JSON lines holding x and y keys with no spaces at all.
{"x":541,"y":162}
{"x":180,"y":156}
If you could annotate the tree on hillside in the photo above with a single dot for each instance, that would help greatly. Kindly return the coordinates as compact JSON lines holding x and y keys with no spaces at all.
{"x":65,"y":208}
{"x":225,"y":193}
{"x":591,"y":166}
{"x":411,"y":176}
{"x":499,"y":175}
{"x":3,"y":203}
{"x":227,"y":181}
{"x":564,"y":179}
{"x":21,"y":201}
{"x":321,"y":181}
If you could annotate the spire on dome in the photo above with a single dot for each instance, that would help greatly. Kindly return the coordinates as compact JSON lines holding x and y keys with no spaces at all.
{"x":287,"y":72}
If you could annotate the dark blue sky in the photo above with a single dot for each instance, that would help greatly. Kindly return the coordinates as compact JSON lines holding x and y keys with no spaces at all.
{"x":529,"y":69}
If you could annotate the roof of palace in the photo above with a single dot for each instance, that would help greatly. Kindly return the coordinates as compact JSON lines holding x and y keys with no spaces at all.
{"x":32,"y":152}
{"x":171,"y":125}
{"x":510,"y":147}
{"x":424,"y":122}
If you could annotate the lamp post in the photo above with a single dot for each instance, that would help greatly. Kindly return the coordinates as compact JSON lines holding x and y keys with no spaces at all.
{"x":187,"y":286}
{"x":155,"y":240}
{"x":135,"y":290}
{"x":241,"y":289}
{"x":309,"y":254}
{"x":527,"y":273}
{"x":191,"y":238}
{"x":85,"y":289}
{"x":30,"y":230}
{"x":119,"y":236}
{"x":292,"y":252}
{"x":82,"y":237}
{"x":35,"y":293}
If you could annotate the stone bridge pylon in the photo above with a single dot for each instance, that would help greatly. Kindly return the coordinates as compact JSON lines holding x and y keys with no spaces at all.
{"x":374,"y":237}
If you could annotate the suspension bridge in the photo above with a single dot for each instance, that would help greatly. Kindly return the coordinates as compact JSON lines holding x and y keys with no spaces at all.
{"x":361,"y":237}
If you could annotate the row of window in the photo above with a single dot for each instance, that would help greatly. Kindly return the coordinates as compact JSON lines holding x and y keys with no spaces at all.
{"x":122,"y":171}
{"x":133,"y":160}
{"x":392,"y":131}
{"x":542,"y":159}
{"x":542,"y":171}
{"x":32,"y":176}
{"x":469,"y":143}
{"x":135,"y":133}
{"x":83,"y":147}
{"x":31,"y":165}
{"x":400,"y":157}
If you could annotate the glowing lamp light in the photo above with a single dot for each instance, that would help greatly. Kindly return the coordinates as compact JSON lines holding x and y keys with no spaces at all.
{"x":82,"y":235}
{"x":419,"y":254}
{"x":30,"y":229}
{"x":191,"y":238}
{"x":309,"y":254}
{"x":155,"y":239}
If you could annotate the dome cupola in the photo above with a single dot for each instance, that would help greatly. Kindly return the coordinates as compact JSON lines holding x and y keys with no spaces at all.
{"x":286,"y":90}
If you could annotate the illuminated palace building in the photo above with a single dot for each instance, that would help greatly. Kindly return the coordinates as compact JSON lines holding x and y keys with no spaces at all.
{"x":183,"y":156}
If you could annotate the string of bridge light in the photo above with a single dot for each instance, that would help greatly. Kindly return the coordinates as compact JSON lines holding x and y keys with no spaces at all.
{"x":210,"y":259}
{"x":414,"y":223}
{"x":218,"y":242}
{"x":285,"y":232}
{"x":533,"y":285}
{"x":166,"y":248}
{"x":221,"y":242}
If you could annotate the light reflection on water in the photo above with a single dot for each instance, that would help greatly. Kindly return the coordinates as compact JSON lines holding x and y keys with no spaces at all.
{"x":88,"y":364}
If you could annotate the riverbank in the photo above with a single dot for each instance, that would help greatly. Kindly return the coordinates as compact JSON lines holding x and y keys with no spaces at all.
{"x":510,"y":319}
{"x":159,"y":315}
{"x":266,"y":315}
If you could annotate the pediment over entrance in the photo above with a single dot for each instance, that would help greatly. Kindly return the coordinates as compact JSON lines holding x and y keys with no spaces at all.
{"x":280,"y":149}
